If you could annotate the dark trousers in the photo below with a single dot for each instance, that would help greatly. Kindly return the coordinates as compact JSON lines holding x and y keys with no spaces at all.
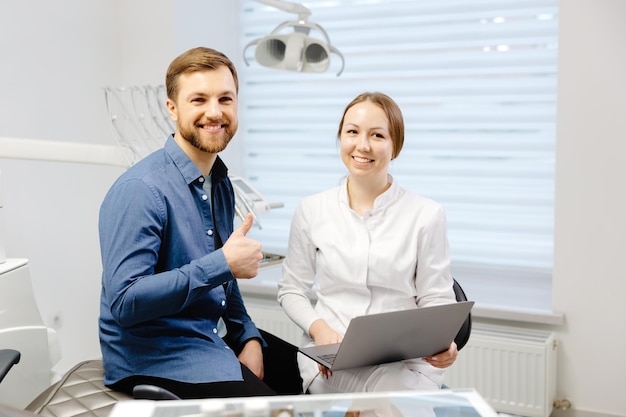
{"x":280,"y":368}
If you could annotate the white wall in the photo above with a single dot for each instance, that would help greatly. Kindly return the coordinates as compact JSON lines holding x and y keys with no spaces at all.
{"x":56,"y":58}
{"x":213,"y":24}
{"x":55,"y":62}
{"x":590,"y":228}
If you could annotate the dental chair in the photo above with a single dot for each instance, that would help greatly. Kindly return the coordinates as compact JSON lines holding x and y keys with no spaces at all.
{"x":29,"y":349}
{"x":23,"y":330}
{"x":8,"y":358}
{"x":81,"y":391}
{"x":462,"y":337}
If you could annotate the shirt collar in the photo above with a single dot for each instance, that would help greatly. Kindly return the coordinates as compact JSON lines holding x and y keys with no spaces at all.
{"x":188,"y":169}
{"x":381,"y":201}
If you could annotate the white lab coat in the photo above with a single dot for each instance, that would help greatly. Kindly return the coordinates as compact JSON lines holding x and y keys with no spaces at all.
{"x":394,"y":257}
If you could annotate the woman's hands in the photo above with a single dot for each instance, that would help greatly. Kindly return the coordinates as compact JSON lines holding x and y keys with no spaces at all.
{"x":323,"y":334}
{"x":443,"y":359}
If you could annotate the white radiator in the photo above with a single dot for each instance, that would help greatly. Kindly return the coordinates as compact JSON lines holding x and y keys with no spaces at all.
{"x":273,"y":319}
{"x":514,"y":369}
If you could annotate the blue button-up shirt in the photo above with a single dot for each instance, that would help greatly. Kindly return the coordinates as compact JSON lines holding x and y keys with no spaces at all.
{"x":165,"y":281}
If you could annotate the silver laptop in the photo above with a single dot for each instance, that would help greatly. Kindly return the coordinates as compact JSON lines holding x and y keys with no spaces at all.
{"x":388,"y":337}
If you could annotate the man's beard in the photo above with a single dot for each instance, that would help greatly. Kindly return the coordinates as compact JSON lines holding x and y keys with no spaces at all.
{"x":213,"y":146}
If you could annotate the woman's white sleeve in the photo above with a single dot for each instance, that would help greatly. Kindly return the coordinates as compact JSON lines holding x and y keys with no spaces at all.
{"x":295,"y":288}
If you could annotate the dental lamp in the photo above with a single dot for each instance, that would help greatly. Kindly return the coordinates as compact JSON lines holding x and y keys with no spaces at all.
{"x":296,"y":50}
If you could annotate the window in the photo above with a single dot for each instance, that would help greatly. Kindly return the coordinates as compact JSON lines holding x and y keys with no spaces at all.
{"x":477,"y":85}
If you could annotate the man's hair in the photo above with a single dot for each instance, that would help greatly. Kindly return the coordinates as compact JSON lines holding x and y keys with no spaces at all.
{"x":392,"y":111}
{"x":196,"y":59}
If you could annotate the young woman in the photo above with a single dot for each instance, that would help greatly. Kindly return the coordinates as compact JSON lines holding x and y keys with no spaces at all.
{"x":367,"y":246}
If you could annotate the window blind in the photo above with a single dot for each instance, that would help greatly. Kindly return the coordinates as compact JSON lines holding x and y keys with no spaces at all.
{"x":476,"y":82}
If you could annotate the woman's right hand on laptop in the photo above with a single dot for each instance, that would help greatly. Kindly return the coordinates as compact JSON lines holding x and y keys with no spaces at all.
{"x":323,"y":334}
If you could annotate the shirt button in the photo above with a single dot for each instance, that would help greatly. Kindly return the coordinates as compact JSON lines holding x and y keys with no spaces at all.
{"x":215,"y":330}
{"x":201,"y":179}
{"x":223,"y":303}
{"x":209,"y":232}
{"x":204,"y":197}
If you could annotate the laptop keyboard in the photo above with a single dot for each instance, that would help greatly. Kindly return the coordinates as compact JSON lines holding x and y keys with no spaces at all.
{"x":329,"y":358}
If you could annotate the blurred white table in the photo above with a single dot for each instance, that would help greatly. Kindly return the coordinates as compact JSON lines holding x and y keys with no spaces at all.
{"x":443,"y":403}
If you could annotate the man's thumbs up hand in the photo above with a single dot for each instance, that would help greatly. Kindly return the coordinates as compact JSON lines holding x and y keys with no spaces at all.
{"x":245,"y":227}
{"x":242,"y":253}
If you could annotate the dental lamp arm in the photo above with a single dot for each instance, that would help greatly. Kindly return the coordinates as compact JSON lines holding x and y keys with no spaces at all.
{"x":343,"y":61}
{"x":287,"y":6}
